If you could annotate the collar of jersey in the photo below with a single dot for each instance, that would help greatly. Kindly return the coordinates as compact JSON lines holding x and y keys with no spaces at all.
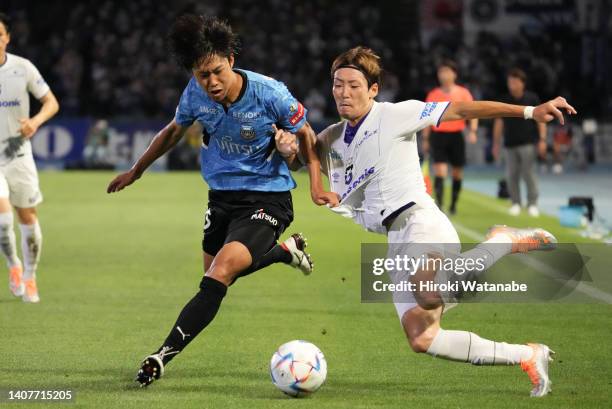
{"x":354,"y":129}
{"x":245,"y":83}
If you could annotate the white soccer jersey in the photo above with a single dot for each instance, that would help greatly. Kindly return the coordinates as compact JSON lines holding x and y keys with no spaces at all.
{"x":18,"y":77}
{"x":379,"y":171}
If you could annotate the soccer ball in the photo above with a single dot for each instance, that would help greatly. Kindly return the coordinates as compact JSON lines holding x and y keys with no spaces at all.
{"x":298,"y":368}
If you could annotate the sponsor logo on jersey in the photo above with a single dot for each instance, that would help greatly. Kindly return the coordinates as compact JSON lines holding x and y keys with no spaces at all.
{"x":262,"y":215}
{"x":10,"y":103}
{"x":228,"y":146}
{"x":209,"y":110}
{"x":247,"y":132}
{"x":358,"y":181}
{"x":429,"y":108}
{"x":298,"y":115}
{"x":246,"y":115}
{"x":366,"y":136}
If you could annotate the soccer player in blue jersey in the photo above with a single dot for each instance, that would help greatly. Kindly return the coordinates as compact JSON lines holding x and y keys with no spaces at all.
{"x":244,"y":161}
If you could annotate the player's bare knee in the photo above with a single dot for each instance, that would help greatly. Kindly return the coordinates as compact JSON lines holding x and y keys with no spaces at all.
{"x":222,"y":273}
{"x":428,"y":300}
{"x":26,"y":215}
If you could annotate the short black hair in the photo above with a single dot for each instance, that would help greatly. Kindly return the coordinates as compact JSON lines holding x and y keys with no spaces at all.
{"x":448,"y":63}
{"x":518,"y":73}
{"x":194,"y":38}
{"x":6,"y":20}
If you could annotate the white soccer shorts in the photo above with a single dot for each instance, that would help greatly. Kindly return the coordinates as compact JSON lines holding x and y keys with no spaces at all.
{"x":418,"y":232}
{"x":19,"y":182}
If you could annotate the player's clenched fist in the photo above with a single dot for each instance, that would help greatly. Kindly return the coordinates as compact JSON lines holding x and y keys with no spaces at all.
{"x":286,"y":142}
{"x":28,"y":127}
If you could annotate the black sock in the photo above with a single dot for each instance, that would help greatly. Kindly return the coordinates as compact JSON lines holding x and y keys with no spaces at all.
{"x":455,"y":194}
{"x":276,"y":254}
{"x":195,"y":316}
{"x":439,"y":189}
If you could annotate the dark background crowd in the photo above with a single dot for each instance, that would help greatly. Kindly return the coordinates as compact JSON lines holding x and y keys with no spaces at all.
{"x":109,"y":58}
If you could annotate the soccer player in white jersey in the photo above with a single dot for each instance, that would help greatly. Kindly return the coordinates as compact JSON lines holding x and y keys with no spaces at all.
{"x":372,"y":163}
{"x":18,"y":178}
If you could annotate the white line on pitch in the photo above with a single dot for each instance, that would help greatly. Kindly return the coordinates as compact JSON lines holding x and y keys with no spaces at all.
{"x":548,"y":271}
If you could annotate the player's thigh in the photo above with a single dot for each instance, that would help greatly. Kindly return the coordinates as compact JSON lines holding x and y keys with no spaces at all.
{"x":216,"y":223}
{"x":233,"y":258}
{"x":259,"y":225}
{"x":207,"y":260}
{"x":22,"y":179}
{"x":258,"y":238}
{"x":423,"y":233}
{"x":423,"y":225}
{"x":417,"y":239}
{"x":27,"y":215}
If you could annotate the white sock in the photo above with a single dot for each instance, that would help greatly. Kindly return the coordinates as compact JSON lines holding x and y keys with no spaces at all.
{"x":488,"y":252}
{"x":466,"y":346}
{"x":7,"y":239}
{"x":31,"y":243}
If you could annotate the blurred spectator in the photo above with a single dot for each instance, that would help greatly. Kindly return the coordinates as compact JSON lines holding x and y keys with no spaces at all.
{"x":520,"y":139}
{"x":95,"y":154}
{"x":108,"y":58}
{"x":589,"y":132}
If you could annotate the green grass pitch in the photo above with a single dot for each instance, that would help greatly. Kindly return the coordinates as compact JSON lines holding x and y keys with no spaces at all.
{"x":117,"y":269}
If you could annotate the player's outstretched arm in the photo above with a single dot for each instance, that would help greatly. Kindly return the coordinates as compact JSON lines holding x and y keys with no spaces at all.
{"x":545,"y":112}
{"x":308,"y":140}
{"x":161,"y":143}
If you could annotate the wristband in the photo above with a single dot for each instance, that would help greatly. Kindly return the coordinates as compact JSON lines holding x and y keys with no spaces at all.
{"x":528,"y":112}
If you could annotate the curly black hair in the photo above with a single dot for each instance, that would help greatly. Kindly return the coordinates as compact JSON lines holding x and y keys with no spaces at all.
{"x":194,"y":38}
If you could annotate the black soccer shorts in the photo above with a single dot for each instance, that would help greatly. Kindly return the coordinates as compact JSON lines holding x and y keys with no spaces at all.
{"x":255,"y":219}
{"x":448,"y":147}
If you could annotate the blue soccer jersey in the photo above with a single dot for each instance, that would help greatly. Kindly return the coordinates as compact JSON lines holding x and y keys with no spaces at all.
{"x":238,"y":148}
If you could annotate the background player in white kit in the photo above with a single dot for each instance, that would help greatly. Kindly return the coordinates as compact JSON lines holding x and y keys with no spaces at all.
{"x":372,"y":163}
{"x":18,"y":177}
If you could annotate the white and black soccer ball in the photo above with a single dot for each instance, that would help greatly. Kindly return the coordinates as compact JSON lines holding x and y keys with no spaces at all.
{"x":298,"y":368}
